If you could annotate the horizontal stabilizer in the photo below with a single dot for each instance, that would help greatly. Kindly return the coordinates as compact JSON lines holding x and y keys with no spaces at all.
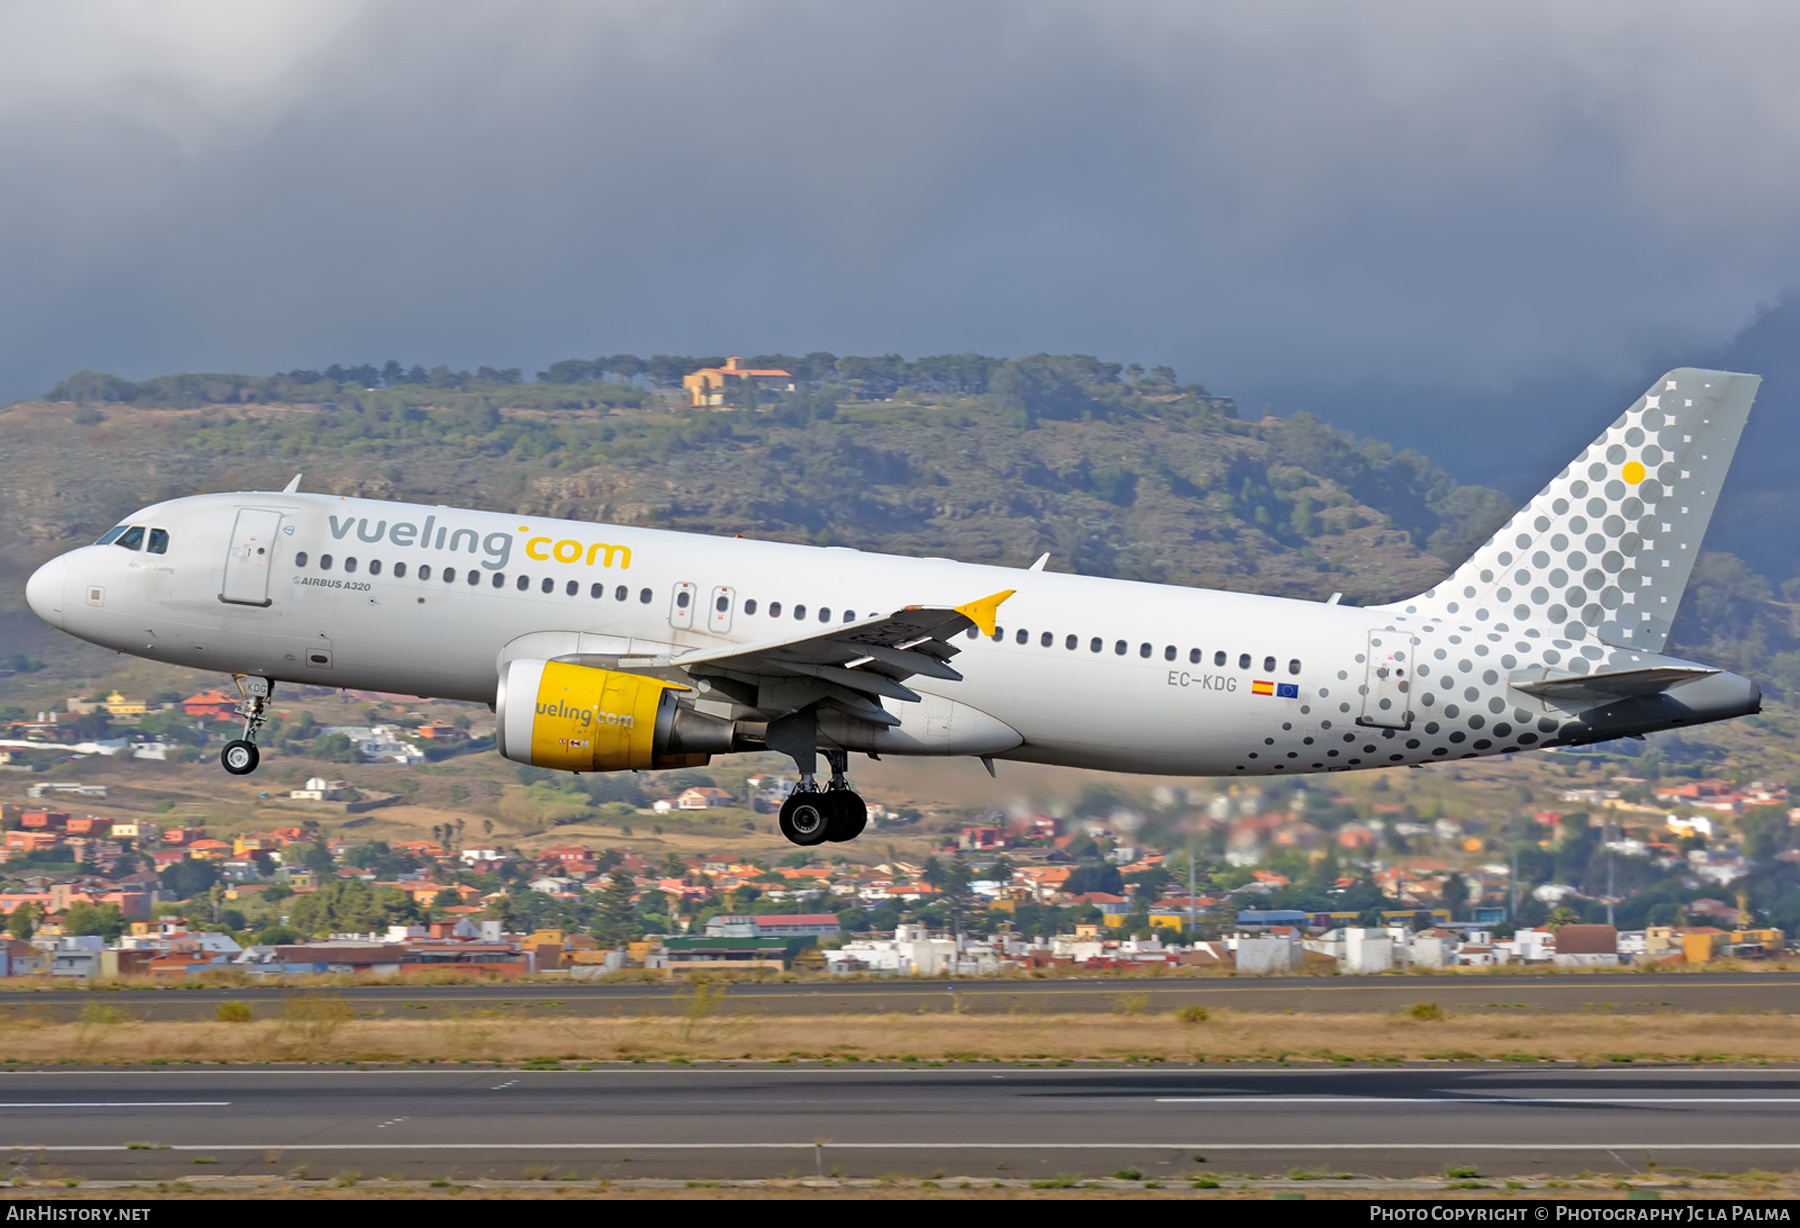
{"x":1616,"y":685}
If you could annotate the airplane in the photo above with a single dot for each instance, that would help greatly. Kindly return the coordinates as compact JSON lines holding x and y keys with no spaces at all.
{"x":609,"y":648}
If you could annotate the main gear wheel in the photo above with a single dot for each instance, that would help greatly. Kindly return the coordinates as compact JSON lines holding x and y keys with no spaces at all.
{"x":849,"y":814}
{"x":806,"y":817}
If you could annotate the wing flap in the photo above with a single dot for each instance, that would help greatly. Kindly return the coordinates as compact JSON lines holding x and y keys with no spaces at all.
{"x":860,"y":663}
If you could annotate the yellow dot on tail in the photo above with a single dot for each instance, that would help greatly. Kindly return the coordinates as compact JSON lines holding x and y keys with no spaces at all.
{"x":1634,"y":472}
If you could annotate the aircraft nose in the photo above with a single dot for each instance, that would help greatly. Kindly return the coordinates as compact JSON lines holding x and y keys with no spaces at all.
{"x":44,"y":592}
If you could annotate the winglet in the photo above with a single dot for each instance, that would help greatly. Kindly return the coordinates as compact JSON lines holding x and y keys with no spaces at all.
{"x":292,"y":486}
{"x":983,"y":612}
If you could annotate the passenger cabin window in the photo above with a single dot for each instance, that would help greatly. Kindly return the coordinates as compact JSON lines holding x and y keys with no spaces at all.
{"x":1169,"y":653}
{"x":1070,"y":643}
{"x":399,"y":571}
{"x":1294,"y":666}
{"x":1022,"y":636}
{"x":374,"y":567}
{"x":1046,"y":639}
{"x":1144,"y":651}
{"x":1244,"y":661}
{"x":548,"y":586}
{"x":1219,"y":659}
{"x":1094,"y":644}
{"x":1268,"y":665}
{"x":1193,"y":656}
{"x":111,"y":535}
{"x":159,"y":541}
{"x":350,"y":564}
{"x":572,"y":587}
{"x":750,"y":606}
{"x":824,"y":613}
{"x":300,"y":559}
{"x":682,"y":599}
{"x":799,"y":612}
{"x":774,"y":609}
{"x":999,"y":633}
{"x":644,"y":596}
{"x":424,"y":571}
{"x":849,"y":615}
{"x":1119,"y":649}
{"x":621,"y":593}
{"x":449,"y":575}
{"x":132,"y":538}
{"x":475,"y":578}
{"x":324,"y":562}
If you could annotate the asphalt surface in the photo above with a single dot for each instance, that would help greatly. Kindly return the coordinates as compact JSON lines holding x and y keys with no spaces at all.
{"x":1627,"y":993}
{"x":978,"y":1122}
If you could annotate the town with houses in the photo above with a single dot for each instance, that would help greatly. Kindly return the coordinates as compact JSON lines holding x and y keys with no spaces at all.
{"x":1625,"y":872}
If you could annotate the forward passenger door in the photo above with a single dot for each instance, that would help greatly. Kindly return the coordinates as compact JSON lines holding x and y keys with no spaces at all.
{"x":247,"y":561}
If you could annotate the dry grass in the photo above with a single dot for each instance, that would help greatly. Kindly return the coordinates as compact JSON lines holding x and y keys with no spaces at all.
{"x":703,"y":1027}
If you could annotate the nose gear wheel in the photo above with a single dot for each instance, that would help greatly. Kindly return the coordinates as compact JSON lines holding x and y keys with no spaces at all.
{"x":239,"y":757}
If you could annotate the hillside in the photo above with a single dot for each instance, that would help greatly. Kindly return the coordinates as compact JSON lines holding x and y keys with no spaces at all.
{"x":1144,"y":481}
{"x":1111,"y":471}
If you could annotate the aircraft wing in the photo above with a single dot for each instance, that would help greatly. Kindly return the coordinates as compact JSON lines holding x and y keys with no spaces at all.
{"x":852,"y":666}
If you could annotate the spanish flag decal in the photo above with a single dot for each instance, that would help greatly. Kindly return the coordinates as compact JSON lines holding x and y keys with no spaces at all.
{"x":1259,"y":687}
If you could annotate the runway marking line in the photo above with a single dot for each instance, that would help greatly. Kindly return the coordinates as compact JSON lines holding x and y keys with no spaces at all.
{"x":1602,"y":1100}
{"x":116,"y":1104}
{"x":971,"y":1146}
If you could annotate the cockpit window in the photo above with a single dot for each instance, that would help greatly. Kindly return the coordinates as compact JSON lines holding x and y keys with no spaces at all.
{"x":132,"y":538}
{"x":159,"y":541}
{"x":106,"y":538}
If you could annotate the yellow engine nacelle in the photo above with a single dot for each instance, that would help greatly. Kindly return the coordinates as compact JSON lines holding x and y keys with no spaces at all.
{"x":552,"y":714}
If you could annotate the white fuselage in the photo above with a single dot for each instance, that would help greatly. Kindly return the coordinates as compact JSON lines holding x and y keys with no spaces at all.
{"x":1181,"y":697}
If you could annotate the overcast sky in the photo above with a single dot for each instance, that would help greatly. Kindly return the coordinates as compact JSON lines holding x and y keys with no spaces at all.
{"x":1264,"y":195}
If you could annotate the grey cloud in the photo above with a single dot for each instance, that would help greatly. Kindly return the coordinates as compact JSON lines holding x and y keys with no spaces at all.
{"x":1300,"y":192}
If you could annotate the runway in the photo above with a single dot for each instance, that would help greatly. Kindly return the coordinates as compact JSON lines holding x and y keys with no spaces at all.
{"x":1625,"y":993}
{"x":983,"y":1121}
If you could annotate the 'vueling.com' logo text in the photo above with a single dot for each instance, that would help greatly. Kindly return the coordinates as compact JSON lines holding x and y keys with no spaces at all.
{"x":496,"y":547}
{"x":568,"y":550}
{"x":586,"y":716}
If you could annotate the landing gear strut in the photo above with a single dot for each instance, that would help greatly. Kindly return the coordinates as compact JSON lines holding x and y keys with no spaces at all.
{"x":836,"y":813}
{"x":240,"y":755}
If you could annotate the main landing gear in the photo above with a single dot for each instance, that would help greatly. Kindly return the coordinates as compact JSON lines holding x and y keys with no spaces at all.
{"x":812,"y":815}
{"x":240,"y":755}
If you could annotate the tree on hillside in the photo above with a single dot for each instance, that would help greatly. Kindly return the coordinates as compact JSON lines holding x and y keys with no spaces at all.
{"x":617,"y":923}
{"x":103,"y":920}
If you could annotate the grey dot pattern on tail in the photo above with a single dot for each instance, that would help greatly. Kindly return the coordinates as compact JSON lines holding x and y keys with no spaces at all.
{"x":1585,"y":578}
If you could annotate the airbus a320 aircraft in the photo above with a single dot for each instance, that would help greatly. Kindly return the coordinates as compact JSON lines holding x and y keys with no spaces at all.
{"x":605,"y":648}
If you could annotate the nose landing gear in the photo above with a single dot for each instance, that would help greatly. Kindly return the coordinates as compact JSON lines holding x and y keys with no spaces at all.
{"x":240,"y":755}
{"x":836,"y":813}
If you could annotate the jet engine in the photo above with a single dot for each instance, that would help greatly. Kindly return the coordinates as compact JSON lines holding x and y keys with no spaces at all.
{"x":553,"y":714}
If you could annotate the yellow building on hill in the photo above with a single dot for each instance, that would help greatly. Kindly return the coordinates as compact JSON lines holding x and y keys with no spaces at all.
{"x":706,"y":387}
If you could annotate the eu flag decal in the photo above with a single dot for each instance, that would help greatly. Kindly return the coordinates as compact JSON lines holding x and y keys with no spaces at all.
{"x":1288,"y":690}
{"x":1259,"y":687}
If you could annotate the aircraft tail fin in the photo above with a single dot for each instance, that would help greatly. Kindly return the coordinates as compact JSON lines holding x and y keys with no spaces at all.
{"x":1607,"y":547}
